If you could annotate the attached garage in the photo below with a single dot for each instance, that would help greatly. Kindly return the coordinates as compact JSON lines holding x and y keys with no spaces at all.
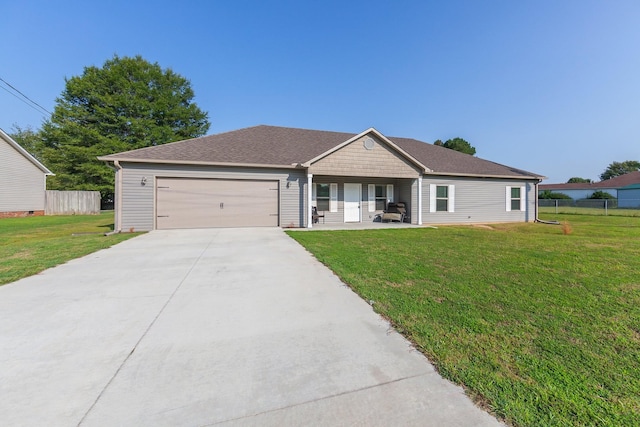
{"x":206,"y":203}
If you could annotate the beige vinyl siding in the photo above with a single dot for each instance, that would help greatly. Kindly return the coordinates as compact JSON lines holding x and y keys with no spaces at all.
{"x":138,"y":201}
{"x":22,"y":184}
{"x":477,"y":201}
{"x":357,"y":161}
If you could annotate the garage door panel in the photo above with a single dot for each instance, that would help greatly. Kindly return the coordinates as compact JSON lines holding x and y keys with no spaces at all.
{"x":204,"y":203}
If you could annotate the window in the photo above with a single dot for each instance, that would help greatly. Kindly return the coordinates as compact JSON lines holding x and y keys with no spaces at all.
{"x":379,"y":196}
{"x":441,"y":198}
{"x":326,"y":196}
{"x":516,"y":199}
{"x":323,"y":194}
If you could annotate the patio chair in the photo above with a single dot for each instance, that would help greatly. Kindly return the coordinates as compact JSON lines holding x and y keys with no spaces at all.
{"x":316,"y":216}
{"x":394,"y":212}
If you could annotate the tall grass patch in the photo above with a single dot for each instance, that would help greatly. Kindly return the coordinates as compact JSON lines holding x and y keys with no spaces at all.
{"x":542,"y":327}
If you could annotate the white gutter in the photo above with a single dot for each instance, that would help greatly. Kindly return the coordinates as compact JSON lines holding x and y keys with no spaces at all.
{"x":475,"y":175}
{"x":199,"y":163}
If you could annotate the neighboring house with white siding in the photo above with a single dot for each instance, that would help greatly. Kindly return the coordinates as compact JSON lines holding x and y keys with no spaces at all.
{"x":276,"y":176}
{"x":22,"y":180}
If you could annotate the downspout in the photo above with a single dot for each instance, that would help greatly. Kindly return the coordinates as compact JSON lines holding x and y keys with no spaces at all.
{"x":536,"y":208}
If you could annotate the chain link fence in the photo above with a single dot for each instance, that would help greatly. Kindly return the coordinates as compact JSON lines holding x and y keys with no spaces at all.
{"x":626,"y":207}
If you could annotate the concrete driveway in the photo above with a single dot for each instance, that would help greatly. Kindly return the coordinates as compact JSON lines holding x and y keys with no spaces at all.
{"x":231,"y":327}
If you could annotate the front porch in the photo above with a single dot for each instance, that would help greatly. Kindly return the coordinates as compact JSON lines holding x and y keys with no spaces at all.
{"x":355,"y":181}
{"x":359,"y":202}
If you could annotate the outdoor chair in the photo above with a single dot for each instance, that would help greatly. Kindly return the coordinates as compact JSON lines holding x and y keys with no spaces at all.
{"x":316,"y":216}
{"x":394,"y":212}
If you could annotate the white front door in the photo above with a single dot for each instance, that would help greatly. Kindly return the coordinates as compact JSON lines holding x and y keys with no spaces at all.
{"x":352,"y":196}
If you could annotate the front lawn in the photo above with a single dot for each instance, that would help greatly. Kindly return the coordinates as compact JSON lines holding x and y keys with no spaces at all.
{"x":541,"y":327}
{"x":30,"y":245}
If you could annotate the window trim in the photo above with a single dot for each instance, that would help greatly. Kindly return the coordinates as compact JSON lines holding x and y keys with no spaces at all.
{"x":509,"y":199}
{"x":332,"y":199}
{"x":371,"y":193}
{"x":433,"y":197}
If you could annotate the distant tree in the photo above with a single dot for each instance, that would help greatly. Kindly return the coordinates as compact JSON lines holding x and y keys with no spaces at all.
{"x":459,"y":144}
{"x":575,"y":180}
{"x":599,"y":194}
{"x":29,"y":139}
{"x":548,"y":194}
{"x":127,"y":104}
{"x":438,"y":142}
{"x":620,"y":168}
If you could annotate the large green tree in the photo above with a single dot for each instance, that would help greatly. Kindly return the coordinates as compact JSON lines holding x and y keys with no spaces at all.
{"x":457,"y":144}
{"x":126,"y":104}
{"x":620,"y":168}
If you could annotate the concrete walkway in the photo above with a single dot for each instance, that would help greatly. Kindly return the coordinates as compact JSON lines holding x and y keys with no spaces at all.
{"x":230,"y":327}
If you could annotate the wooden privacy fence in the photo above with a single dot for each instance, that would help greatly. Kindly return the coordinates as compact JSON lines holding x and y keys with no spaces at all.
{"x":72,"y":202}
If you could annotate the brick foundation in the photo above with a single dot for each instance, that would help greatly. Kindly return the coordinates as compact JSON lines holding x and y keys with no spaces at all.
{"x":20,"y":214}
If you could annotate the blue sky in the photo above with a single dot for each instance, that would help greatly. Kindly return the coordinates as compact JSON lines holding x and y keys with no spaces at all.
{"x":552,"y":87}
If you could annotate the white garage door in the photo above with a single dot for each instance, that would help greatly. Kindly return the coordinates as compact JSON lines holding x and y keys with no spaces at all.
{"x":205,"y":203}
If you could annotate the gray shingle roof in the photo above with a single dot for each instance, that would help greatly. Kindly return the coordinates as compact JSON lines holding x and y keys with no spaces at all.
{"x":280,"y":146}
{"x":447,"y":161}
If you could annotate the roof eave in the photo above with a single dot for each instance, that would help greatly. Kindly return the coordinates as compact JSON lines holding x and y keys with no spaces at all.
{"x":196,"y":163}
{"x":477,"y":175}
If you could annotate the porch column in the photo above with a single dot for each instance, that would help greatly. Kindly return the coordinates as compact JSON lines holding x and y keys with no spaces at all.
{"x":420,"y":200}
{"x":309,"y":200}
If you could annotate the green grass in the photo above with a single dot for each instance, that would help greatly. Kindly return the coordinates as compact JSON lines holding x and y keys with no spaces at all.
{"x":542,"y":328}
{"x":575,"y":210}
{"x":31,"y":245}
